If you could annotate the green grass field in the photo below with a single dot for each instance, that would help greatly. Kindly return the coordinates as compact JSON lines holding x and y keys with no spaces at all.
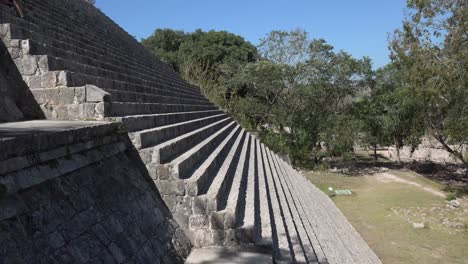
{"x":383,"y":212}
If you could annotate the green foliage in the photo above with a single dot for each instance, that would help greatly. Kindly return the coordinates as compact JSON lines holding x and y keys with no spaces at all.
{"x":207,"y":59}
{"x":431,"y":53}
{"x":451,"y":197}
{"x":311,"y":102}
{"x":165,"y":43}
{"x":296,"y":92}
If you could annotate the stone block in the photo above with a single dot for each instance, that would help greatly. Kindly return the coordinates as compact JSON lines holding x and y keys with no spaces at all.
{"x":43,"y":64}
{"x":215,"y":238}
{"x":217,"y":220}
{"x":80,"y":95}
{"x":62,"y":78}
{"x":164,"y":171}
{"x":170,"y":201}
{"x":48,"y":80}
{"x":198,"y":205}
{"x":171,"y":187}
{"x":35,"y":81}
{"x":96,"y":94}
{"x":198,"y":238}
{"x":182,"y":219}
{"x":29,"y":65}
{"x":229,"y":221}
{"x":184,"y":205}
{"x":198,"y":221}
{"x":230,"y":238}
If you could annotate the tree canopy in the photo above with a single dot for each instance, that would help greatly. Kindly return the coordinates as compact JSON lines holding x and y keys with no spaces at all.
{"x":308,"y":100}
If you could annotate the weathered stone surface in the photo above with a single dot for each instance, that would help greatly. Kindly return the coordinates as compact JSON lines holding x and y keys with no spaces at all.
{"x":9,"y":111}
{"x":95,"y":94}
{"x":106,"y":211}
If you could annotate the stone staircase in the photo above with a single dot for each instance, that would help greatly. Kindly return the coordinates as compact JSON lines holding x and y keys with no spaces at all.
{"x":77,"y":192}
{"x":222,"y":185}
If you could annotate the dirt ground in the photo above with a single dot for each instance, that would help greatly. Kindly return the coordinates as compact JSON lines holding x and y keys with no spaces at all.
{"x":403,"y":215}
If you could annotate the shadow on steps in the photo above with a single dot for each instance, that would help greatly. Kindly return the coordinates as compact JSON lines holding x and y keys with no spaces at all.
{"x":16,"y":100}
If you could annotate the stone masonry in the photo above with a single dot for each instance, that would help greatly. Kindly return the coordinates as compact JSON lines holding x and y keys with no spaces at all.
{"x":220,"y":184}
{"x":81,"y":196}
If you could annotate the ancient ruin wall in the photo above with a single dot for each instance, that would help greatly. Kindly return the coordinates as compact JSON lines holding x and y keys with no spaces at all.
{"x":88,"y":201}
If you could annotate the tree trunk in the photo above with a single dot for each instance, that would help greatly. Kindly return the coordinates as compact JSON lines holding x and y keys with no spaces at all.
{"x":453,"y":152}
{"x":375,"y":152}
{"x":397,"y":146}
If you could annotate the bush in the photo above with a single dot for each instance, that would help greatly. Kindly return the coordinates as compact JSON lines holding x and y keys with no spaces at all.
{"x":451,"y":197}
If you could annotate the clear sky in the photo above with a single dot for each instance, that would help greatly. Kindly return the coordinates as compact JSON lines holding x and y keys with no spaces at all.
{"x":360,"y":27}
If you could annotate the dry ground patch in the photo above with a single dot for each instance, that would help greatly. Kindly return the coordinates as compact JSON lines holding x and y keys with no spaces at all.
{"x":384,"y":208}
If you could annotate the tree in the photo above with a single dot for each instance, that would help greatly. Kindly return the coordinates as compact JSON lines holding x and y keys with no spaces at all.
{"x":285,"y":47}
{"x":207,"y":59}
{"x":296,"y":92}
{"x":165,"y":44}
{"x":431,"y":52}
{"x":303,"y":93}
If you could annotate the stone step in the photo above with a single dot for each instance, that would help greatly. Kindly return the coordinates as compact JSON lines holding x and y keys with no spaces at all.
{"x":228,"y":256}
{"x":263,"y":224}
{"x":249,"y":214}
{"x":84,"y":36}
{"x":37,"y":151}
{"x":281,"y":244}
{"x":31,"y":37}
{"x":184,"y":165}
{"x":69,"y":51}
{"x":36,"y":48}
{"x":47,"y":36}
{"x":339,"y":240}
{"x":55,"y":63}
{"x":304,"y":193}
{"x":125,"y":108}
{"x":154,"y":136}
{"x":141,"y":122}
{"x":235,"y":202}
{"x":54,"y":79}
{"x":68,"y":95}
{"x":302,"y":250}
{"x":200,"y":181}
{"x":224,"y":176}
{"x":299,"y":201}
{"x":92,"y":29}
{"x":130,"y":96}
{"x":171,"y":149}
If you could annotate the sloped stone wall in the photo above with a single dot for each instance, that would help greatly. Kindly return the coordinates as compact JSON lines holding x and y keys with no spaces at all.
{"x":105,"y":212}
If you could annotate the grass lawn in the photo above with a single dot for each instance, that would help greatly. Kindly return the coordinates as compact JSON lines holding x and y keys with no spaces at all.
{"x":383,"y":212}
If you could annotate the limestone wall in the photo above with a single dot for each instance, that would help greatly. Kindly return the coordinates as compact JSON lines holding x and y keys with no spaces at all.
{"x":16,"y":101}
{"x":428,"y":150}
{"x":84,"y":201}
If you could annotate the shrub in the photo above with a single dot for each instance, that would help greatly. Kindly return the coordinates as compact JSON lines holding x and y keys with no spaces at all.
{"x":451,"y":197}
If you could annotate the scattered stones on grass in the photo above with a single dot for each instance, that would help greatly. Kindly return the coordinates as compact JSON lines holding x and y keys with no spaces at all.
{"x":359,"y":171}
{"x":418,"y":225}
{"x":454,"y":203}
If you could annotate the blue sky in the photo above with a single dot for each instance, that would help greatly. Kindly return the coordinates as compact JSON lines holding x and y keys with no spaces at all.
{"x":360,"y":27}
